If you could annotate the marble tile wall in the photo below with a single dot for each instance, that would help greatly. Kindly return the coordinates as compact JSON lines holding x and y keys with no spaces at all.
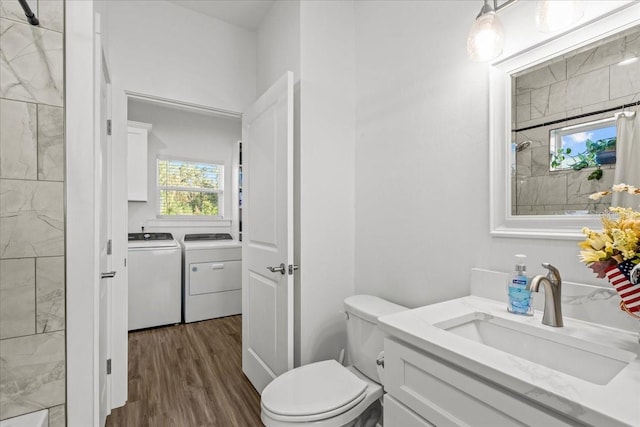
{"x":580,"y":82}
{"x":32,"y":257}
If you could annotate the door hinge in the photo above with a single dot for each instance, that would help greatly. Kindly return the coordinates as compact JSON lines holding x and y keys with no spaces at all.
{"x":109,"y":244}
{"x":108,"y":366}
{"x":109,"y":127}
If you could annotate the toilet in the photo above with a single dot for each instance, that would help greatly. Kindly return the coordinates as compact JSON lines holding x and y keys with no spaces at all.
{"x":328,"y":394}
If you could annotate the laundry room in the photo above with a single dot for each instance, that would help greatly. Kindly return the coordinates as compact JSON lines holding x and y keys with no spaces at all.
{"x":185,"y":180}
{"x":183,"y":205}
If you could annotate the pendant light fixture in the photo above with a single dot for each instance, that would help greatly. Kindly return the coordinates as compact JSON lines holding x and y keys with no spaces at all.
{"x":555,"y":15}
{"x":484,"y":41}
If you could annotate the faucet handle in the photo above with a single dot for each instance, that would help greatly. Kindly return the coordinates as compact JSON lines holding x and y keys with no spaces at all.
{"x":554,"y":273}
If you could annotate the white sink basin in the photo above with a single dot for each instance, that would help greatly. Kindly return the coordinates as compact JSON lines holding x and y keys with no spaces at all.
{"x":588,"y":371}
{"x":581,"y":359}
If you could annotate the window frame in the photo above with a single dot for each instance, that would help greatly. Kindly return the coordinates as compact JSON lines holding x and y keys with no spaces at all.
{"x":556,"y":135}
{"x":160,"y":188}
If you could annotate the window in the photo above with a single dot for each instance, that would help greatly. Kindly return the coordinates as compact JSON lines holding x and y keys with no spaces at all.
{"x":580,"y":146}
{"x":188,"y":188}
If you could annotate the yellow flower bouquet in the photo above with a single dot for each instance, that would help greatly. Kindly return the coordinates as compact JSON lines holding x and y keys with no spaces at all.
{"x":614,"y":252}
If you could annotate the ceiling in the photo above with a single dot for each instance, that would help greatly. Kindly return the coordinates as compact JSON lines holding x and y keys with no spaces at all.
{"x":244,"y":13}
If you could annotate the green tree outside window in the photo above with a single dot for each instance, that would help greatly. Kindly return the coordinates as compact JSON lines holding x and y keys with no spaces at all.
{"x":189,"y":188}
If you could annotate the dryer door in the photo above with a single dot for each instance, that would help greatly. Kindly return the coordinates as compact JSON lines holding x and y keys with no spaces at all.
{"x":214,"y":276}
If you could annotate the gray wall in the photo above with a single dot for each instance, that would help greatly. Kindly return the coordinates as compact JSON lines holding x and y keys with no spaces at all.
{"x":579,"y":82}
{"x":32,"y":263}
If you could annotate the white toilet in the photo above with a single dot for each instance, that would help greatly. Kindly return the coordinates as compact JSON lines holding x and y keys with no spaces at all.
{"x":328,"y":394}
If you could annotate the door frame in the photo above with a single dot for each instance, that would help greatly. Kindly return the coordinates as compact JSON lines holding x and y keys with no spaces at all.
{"x":81,"y":248}
{"x":84,"y":53}
{"x":104,"y":212}
{"x":120,"y":98}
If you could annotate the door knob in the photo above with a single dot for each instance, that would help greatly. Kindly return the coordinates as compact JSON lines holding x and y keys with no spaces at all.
{"x":108,"y":275}
{"x":280,"y":269}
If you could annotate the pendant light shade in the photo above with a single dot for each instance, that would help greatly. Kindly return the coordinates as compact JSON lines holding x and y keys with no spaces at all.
{"x":555,"y":15}
{"x":484,"y":41}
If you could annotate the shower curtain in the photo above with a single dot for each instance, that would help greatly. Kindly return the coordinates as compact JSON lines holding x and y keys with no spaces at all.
{"x":627,"y":157}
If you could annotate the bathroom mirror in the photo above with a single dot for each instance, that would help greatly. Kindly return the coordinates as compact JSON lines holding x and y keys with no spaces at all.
{"x":542,"y":109}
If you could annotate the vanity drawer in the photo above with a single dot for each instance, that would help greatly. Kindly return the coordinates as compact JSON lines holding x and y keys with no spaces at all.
{"x":396,"y":414}
{"x":446,"y":396}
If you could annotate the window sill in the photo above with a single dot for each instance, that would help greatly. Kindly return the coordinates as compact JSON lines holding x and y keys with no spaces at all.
{"x":188,"y":222}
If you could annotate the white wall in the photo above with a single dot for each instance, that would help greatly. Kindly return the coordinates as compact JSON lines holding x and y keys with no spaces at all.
{"x":421,"y":151}
{"x":187,"y":135}
{"x":158,"y":48}
{"x":327,"y":101}
{"x":422,"y":175}
{"x":278,"y":44}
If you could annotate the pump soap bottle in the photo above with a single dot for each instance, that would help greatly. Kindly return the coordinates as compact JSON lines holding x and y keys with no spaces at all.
{"x":520,"y":299}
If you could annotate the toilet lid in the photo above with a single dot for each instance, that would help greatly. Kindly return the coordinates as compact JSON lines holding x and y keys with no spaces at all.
{"x":312,"y":389}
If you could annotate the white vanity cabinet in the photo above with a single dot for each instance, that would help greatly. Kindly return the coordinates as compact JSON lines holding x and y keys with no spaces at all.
{"x":396,"y":414}
{"x":423,"y":390}
{"x":137,"y":160}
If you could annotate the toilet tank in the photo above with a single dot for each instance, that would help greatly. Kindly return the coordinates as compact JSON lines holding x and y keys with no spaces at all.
{"x":365,"y":340}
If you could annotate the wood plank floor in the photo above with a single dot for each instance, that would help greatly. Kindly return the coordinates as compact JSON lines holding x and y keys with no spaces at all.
{"x":188,"y":375}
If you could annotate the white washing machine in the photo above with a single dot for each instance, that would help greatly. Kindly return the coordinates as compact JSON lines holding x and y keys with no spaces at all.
{"x":212,"y":276}
{"x":155,"y":285}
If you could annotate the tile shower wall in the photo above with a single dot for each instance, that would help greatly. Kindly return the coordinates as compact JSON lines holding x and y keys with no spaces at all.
{"x":586,"y":81}
{"x":32,"y":262}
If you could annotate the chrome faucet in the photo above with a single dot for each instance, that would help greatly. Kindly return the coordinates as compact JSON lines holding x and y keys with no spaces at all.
{"x":552,"y":295}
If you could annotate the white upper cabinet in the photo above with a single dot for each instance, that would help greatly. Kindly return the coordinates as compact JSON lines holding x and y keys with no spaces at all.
{"x":137,"y":161}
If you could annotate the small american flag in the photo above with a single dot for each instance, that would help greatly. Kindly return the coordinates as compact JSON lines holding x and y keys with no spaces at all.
{"x":620,"y":278}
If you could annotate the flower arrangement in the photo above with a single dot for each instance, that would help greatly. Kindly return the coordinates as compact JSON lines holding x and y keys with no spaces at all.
{"x":614,"y":252}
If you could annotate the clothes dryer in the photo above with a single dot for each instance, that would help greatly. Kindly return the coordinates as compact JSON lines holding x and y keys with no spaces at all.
{"x":212,"y":276}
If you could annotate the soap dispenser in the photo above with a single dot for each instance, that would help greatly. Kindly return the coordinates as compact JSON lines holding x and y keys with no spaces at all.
{"x":520,"y":299}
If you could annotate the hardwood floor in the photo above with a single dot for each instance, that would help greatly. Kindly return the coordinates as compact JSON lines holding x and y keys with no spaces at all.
{"x":188,"y":375}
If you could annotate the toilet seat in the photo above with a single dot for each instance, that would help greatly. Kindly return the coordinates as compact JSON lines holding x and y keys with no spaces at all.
{"x":335,"y":389}
{"x":337,"y":418}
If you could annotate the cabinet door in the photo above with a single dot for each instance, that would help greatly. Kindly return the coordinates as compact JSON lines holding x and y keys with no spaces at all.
{"x":137,"y":164}
{"x":448,"y":396}
{"x":396,"y":414}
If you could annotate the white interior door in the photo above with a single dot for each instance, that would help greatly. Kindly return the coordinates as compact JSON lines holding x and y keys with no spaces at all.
{"x":103,"y":226}
{"x":267,"y":238}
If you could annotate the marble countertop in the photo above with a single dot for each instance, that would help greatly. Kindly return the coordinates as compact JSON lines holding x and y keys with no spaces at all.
{"x":616,"y":403}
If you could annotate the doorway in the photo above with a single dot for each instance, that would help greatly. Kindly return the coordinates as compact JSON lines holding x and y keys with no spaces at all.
{"x":188,"y":134}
